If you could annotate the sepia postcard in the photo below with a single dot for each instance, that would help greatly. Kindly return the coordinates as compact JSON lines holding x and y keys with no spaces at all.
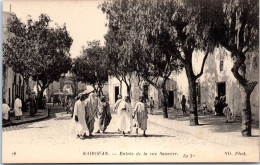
{"x":130,"y":81}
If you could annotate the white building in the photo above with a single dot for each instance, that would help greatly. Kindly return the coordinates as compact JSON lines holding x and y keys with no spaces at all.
{"x":217,"y":80}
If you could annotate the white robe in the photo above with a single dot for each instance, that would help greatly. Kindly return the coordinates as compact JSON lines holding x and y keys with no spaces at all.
{"x":116,"y":106}
{"x":5,"y":109}
{"x":79,"y":110}
{"x":125,"y":116}
{"x":18,"y":107}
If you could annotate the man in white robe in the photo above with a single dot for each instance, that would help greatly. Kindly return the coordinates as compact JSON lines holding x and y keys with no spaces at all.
{"x":115,"y":108}
{"x":125,"y":115}
{"x":79,"y":118}
{"x":5,"y":111}
{"x":18,"y":108}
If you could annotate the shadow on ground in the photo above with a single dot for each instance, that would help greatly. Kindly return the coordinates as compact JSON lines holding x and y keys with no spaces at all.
{"x":112,"y":135}
{"x":214,"y":123}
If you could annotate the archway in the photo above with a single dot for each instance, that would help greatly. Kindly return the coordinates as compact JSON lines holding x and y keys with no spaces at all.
{"x":67,"y":89}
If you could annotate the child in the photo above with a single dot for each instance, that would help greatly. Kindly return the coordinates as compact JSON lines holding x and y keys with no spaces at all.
{"x":227,"y":113}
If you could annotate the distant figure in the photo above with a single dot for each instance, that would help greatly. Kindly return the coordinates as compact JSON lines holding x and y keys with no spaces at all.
{"x":115,"y":108}
{"x":125,"y":115}
{"x":105,"y":115}
{"x":44,"y":101}
{"x":227,"y":113}
{"x":18,"y":108}
{"x":205,"y":109}
{"x":79,"y":118}
{"x":183,"y":105}
{"x":5,"y":111}
{"x":151,"y":105}
{"x":222,"y":102}
{"x":216,"y":105}
{"x":141,"y":115}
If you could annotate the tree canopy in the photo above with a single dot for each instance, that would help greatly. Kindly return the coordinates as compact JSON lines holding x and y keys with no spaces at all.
{"x":161,"y":36}
{"x":91,"y":67}
{"x":37,"y":50}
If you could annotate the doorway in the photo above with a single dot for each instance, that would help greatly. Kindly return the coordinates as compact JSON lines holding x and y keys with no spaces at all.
{"x":170,"y":99}
{"x":221,"y":89}
{"x":116,"y":93}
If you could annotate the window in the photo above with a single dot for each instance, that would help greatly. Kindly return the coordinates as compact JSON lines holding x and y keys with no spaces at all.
{"x":221,"y":65}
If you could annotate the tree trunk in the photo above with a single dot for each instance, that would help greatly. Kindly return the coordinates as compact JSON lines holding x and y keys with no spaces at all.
{"x":101,"y":91}
{"x":165,"y":98}
{"x":192,"y":89}
{"x":239,"y":72}
{"x":193,"y":102}
{"x":246,"y":113}
{"x":128,"y":88}
{"x":40,"y":99}
{"x":120,"y":87}
{"x":246,"y":108}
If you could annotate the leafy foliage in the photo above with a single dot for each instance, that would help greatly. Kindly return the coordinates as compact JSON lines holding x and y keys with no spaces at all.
{"x":38,"y":51}
{"x":237,"y":30}
{"x":161,"y":35}
{"x":91,"y":66}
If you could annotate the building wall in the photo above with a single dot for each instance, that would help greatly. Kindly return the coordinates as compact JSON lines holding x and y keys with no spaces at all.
{"x":12,"y":83}
{"x":207,"y":83}
{"x":212,"y":76}
{"x":137,"y":90}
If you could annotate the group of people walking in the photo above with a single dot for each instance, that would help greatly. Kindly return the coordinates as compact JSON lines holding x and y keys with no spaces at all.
{"x":89,"y":107}
{"x":128,"y":118}
{"x":86,"y":109}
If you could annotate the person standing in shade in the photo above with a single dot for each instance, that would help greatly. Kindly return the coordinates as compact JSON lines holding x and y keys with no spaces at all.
{"x":105,"y":115}
{"x":222,"y":102}
{"x":5,"y":111}
{"x":18,"y":108}
{"x":183,"y":105}
{"x":141,"y":115}
{"x":227,"y":113}
{"x":216,"y":105}
{"x":151,"y":105}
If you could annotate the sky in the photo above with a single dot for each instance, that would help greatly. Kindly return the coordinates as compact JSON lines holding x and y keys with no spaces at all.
{"x":84,"y":20}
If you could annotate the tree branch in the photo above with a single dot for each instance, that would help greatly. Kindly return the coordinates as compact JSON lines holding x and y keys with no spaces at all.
{"x":151,"y":82}
{"x":203,"y":64}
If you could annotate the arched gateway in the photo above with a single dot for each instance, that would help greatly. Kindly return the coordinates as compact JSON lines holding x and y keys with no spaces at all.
{"x":68,"y":85}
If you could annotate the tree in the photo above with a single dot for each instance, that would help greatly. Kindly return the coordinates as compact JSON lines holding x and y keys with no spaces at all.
{"x":92,"y":66}
{"x":156,"y":61}
{"x":159,"y":23}
{"x":38,"y":51}
{"x":129,"y":56}
{"x":236,"y":29}
{"x":121,"y":65}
